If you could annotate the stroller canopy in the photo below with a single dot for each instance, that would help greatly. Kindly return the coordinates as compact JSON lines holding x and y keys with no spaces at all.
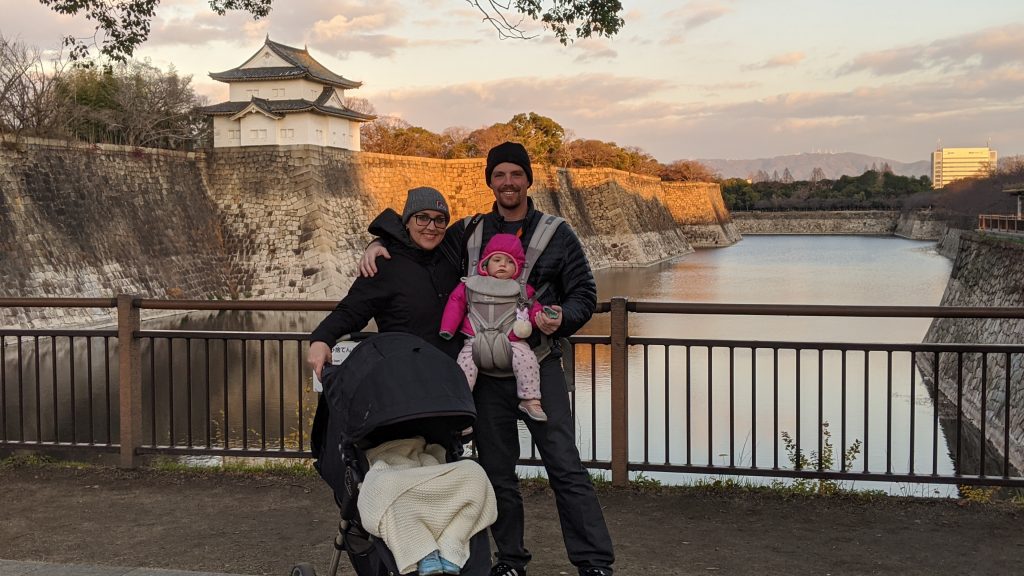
{"x":394,"y":377}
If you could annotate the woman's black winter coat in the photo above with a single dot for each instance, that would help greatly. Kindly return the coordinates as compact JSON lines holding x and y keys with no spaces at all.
{"x":408,"y":293}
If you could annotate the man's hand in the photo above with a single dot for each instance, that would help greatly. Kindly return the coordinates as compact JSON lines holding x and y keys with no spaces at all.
{"x":319,"y":354}
{"x":548,"y":325}
{"x":368,"y":262}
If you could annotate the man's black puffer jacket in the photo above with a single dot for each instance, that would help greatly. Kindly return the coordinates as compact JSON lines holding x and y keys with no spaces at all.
{"x":408,"y":294}
{"x":563,"y":266}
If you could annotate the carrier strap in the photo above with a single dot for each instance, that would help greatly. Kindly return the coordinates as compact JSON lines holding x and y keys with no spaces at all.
{"x":474,"y":243}
{"x":549,"y":223}
{"x":541,"y":236}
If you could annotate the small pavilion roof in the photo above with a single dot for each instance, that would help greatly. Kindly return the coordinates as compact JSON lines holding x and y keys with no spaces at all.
{"x":278,"y":108}
{"x":302,"y":65}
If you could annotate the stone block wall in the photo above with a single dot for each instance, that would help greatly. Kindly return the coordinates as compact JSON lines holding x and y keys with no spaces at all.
{"x":279,"y":222}
{"x":987,"y":271}
{"x":875,"y":223}
{"x":920,"y":225}
{"x":95,"y":221}
{"x":949,"y":242}
{"x":308,"y":209}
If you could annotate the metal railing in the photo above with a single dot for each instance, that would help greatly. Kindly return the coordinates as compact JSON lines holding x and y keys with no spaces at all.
{"x":1001,"y":223}
{"x":786,"y":409}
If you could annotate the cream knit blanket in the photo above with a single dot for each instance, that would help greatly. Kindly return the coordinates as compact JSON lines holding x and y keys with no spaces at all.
{"x":417,"y":503}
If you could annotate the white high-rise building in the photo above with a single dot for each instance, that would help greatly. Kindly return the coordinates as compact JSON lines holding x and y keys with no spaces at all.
{"x":949,"y":164}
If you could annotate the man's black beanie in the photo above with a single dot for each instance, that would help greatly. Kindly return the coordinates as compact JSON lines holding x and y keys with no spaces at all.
{"x":512,"y":152}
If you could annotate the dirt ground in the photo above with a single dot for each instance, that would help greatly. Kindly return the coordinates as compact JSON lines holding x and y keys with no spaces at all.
{"x":262,"y":524}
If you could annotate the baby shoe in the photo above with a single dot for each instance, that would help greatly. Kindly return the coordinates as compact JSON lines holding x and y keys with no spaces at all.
{"x":533,"y":410}
{"x":430,"y":565}
{"x":450,"y":567}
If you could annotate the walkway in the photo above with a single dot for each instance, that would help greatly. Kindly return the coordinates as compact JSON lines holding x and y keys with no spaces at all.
{"x":14,"y":568}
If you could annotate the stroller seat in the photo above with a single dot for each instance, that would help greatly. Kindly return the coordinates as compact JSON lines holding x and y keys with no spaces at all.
{"x":392,"y":386}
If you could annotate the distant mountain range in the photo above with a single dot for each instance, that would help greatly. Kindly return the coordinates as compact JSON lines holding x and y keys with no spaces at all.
{"x":801,"y":165}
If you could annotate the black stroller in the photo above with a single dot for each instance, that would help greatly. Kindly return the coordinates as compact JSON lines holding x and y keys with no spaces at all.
{"x":393,"y":385}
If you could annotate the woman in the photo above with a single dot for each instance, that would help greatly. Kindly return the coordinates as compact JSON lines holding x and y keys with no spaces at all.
{"x":410,"y":289}
{"x":407,"y":294}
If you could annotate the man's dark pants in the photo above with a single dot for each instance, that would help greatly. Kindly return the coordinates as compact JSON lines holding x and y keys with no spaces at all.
{"x":587,"y":541}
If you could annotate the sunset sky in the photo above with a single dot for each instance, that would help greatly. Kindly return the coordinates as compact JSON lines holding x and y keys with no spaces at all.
{"x":688,"y":79}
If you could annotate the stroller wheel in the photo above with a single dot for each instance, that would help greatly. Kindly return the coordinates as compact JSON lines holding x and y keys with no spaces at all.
{"x":303,"y":569}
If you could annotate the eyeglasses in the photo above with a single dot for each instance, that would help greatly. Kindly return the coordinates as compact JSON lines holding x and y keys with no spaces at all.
{"x":423,"y":220}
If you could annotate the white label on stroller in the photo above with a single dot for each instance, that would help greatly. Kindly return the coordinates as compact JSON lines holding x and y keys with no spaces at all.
{"x":339,"y":353}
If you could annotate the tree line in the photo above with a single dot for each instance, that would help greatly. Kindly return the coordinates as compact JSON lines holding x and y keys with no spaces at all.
{"x":130,"y":103}
{"x":544,"y":138}
{"x":875,"y":189}
{"x":880,"y":189}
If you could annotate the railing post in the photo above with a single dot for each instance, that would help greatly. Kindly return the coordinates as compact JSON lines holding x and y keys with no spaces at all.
{"x":620,"y":392}
{"x":130,"y":379}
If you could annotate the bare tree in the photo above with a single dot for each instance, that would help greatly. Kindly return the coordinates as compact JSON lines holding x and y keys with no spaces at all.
{"x":1011,"y":166}
{"x":589,"y":153}
{"x":30,"y":102}
{"x":589,"y":17}
{"x":689,"y":171}
{"x":361,"y":105}
{"x":483,"y":139}
{"x":456,"y":142}
{"x":153,"y":108}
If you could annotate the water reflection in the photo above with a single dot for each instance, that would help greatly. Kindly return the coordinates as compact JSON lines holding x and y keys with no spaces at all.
{"x":687,"y":413}
{"x":49,"y":393}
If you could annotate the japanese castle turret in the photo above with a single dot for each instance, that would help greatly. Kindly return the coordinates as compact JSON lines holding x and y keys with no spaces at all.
{"x":282,"y":96}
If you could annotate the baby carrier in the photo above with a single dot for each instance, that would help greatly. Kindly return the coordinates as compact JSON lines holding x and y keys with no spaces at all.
{"x":492,"y":304}
{"x":498,"y":300}
{"x":393,"y":385}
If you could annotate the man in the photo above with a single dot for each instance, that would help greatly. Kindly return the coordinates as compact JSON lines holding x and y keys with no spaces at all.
{"x":570,"y":290}
{"x":564,"y":268}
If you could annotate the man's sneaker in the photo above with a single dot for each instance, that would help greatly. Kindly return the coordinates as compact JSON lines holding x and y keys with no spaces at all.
{"x":502,"y":569}
{"x":596,"y":572}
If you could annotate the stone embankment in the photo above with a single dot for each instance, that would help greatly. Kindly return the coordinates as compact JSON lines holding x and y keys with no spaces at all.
{"x":296,"y":216}
{"x":280,"y":222}
{"x":988,"y":271}
{"x":914,"y":225}
{"x":95,"y":221}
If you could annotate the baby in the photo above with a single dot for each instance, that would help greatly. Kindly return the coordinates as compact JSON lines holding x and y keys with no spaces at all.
{"x":499,"y":268}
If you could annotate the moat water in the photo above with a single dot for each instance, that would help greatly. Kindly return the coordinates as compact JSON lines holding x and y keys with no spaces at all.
{"x":834,"y":270}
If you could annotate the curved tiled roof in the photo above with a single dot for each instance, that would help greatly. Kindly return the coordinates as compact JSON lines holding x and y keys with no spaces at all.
{"x":279,"y":107}
{"x":302,"y":66}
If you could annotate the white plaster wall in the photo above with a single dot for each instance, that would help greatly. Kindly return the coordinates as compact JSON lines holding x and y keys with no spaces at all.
{"x":265,"y":58}
{"x":239,"y":91}
{"x":259,"y":123}
{"x":222,"y":125}
{"x":341,"y":133}
{"x":298,"y":89}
